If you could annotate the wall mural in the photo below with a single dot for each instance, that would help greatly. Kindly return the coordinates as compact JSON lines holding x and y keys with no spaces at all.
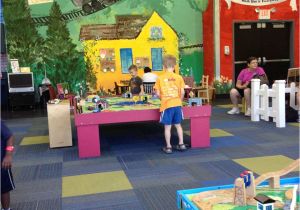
{"x":66,"y":37}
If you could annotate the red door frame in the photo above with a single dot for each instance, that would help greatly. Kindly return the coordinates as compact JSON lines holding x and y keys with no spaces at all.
{"x":240,"y":13}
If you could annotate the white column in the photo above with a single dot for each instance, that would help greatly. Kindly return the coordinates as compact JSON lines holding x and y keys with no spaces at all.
{"x":293,"y":95}
{"x":255,"y":84}
{"x":217,"y":38}
{"x":280,"y":102}
{"x":264,"y":100}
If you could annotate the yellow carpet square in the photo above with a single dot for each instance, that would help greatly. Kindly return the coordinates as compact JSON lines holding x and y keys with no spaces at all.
{"x":219,"y":133}
{"x":294,"y":124}
{"x":214,"y":133}
{"x":261,"y":165}
{"x":94,"y":183}
{"x":35,"y":140}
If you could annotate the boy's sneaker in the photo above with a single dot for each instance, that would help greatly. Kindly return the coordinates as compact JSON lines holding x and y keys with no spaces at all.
{"x":248,"y":112}
{"x":234,"y":110}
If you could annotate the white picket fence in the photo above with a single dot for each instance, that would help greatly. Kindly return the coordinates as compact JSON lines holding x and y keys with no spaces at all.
{"x":292,"y":90}
{"x":260,"y":106}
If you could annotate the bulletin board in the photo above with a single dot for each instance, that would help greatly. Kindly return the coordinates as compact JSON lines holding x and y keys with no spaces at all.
{"x":107,"y":59}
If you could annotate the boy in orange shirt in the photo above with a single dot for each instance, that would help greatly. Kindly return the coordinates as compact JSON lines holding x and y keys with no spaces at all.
{"x":170,"y":88}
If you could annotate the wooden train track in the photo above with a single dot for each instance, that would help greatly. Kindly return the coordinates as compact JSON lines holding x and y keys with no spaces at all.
{"x":275,"y":176}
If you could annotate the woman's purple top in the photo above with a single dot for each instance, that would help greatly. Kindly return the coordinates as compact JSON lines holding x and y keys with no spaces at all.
{"x":245,"y":75}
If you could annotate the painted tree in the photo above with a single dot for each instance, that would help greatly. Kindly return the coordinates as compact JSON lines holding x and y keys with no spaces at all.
{"x":163,"y":6}
{"x":64,"y":62}
{"x":198,"y":5}
{"x":23,"y":41}
{"x":90,"y":75}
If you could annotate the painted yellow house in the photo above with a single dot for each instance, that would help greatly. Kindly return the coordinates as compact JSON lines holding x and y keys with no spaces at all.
{"x":134,"y":39}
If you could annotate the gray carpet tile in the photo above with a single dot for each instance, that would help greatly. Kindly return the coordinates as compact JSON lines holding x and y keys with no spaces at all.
{"x":131,"y":206}
{"x":37,"y":172}
{"x":52,"y":204}
{"x":218,"y":182}
{"x":126,"y":165}
{"x":158,"y":197}
{"x":278,"y":144}
{"x":126,"y":198}
{"x":70,"y":154}
{"x":128,"y":149}
{"x":18,"y":137}
{"x":231,"y":123}
{"x":200,"y":157}
{"x":241,"y":152}
{"x":30,"y":160}
{"x":26,"y":205}
{"x":37,"y":150}
{"x":25,"y":174}
{"x":42,"y":132}
{"x":230,"y":167}
{"x":172,"y":174}
{"x":49,"y":171}
{"x":205,"y":171}
{"x":11,"y":123}
{"x":94,"y":165}
{"x":228,"y":141}
{"x":21,"y":129}
{"x":37,"y":190}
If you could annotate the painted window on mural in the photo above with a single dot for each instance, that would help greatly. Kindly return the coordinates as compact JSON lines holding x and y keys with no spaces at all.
{"x":126,"y":59}
{"x":156,"y":57}
{"x":156,"y":32}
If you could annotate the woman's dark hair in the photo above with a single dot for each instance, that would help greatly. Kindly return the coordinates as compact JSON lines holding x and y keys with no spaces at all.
{"x":147,"y":69}
{"x":251,"y":59}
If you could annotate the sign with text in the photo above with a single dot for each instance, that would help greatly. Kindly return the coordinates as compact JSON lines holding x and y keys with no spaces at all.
{"x":293,"y":3}
{"x":264,"y":14}
{"x":14,"y":63}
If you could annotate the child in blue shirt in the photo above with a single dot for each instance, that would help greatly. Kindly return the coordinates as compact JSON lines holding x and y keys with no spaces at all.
{"x":7,"y":183}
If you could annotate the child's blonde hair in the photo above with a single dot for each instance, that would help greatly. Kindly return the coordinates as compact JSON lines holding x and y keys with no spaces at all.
{"x":169,"y":61}
{"x":133,"y":67}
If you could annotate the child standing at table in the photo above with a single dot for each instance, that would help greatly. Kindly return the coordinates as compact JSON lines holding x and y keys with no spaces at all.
{"x":7,"y":183}
{"x":170,"y":88}
{"x":135,"y":83}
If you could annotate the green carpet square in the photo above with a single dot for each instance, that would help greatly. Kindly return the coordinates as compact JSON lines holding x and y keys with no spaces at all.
{"x":219,"y":133}
{"x":214,"y":133}
{"x":296,"y":124}
{"x":88,"y":184}
{"x":261,"y":165}
{"x":35,"y":140}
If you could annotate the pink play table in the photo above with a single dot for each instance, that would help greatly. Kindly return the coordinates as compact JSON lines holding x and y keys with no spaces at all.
{"x":88,"y":132}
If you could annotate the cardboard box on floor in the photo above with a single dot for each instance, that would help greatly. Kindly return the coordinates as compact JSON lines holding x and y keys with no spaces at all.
{"x":59,"y":123}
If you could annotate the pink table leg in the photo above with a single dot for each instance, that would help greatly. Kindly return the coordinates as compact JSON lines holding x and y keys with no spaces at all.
{"x":200,"y":132}
{"x":88,"y":141}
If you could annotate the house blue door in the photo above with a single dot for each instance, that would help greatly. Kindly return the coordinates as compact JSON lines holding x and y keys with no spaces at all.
{"x":156,"y":57}
{"x":126,"y":59}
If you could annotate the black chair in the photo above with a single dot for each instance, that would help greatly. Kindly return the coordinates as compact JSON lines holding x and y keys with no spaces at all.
{"x":148,"y":87}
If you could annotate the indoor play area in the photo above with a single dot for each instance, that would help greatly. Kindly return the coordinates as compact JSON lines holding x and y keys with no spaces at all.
{"x":150,"y":105}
